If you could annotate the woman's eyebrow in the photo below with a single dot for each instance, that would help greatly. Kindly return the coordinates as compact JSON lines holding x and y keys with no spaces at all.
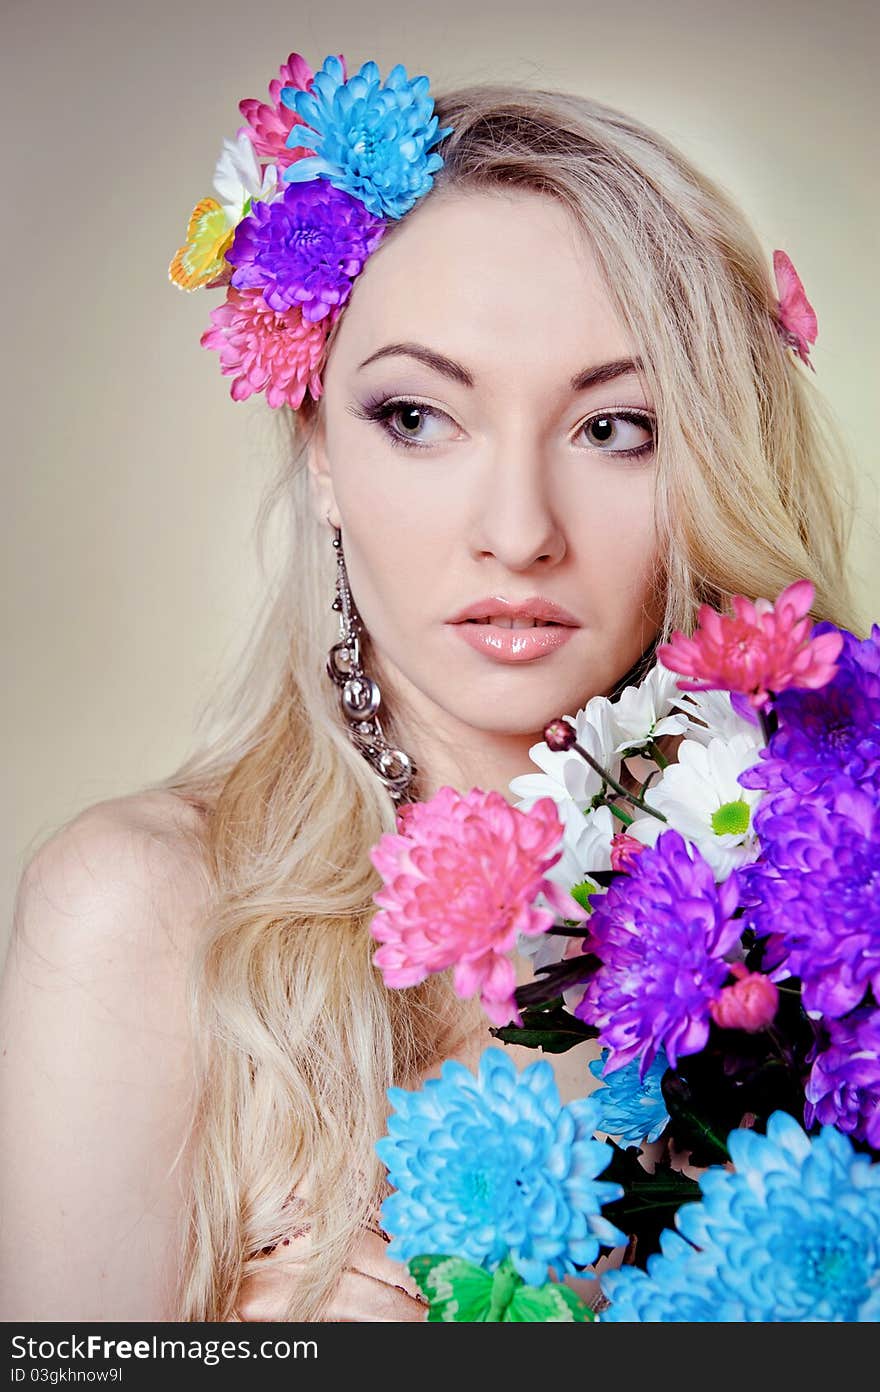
{"x":428,"y":356}
{"x":606,"y":372}
{"x":590,"y":377}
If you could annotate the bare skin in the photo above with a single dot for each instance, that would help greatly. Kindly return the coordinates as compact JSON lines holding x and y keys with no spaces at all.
{"x":516,"y":485}
{"x":96,"y":1082}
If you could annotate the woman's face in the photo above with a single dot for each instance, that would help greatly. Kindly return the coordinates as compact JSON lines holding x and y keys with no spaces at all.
{"x":483,"y":438}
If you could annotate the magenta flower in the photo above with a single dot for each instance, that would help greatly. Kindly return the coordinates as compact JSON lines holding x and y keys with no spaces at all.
{"x":797,"y":325}
{"x":263,"y":349}
{"x":750,"y":1004}
{"x":461,"y":875}
{"x":624,"y":851}
{"x":268,"y":126}
{"x":762,"y":649}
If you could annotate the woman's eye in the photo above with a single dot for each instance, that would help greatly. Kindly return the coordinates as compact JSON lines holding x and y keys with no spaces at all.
{"x":416,"y":424}
{"x":409,"y":422}
{"x":620,"y":432}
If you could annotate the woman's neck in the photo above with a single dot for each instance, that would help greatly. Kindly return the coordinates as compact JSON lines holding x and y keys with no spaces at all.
{"x":446,"y":750}
{"x":481,"y":759}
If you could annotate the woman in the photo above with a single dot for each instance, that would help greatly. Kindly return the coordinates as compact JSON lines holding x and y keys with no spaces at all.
{"x":559,"y":379}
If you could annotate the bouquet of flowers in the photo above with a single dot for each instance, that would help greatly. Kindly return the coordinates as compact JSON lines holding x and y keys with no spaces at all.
{"x":705,"y":926}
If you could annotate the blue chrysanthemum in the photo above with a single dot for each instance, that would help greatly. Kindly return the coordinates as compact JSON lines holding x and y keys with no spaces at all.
{"x":825,"y":734}
{"x":631,"y":1109}
{"x":791,"y":1236}
{"x":489,"y":1164}
{"x":372,"y":140}
{"x":817,"y":897}
{"x":677,"y":1288}
{"x":305,"y":249}
{"x":661,"y":933}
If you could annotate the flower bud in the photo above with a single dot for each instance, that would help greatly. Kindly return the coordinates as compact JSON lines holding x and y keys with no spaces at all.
{"x":559,"y":735}
{"x":625,"y":850}
{"x":749,"y":1004}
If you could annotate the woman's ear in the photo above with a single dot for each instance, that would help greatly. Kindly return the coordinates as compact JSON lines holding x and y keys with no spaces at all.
{"x":323,"y":497}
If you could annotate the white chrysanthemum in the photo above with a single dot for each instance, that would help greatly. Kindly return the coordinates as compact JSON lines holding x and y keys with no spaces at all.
{"x":238,"y":177}
{"x":586,"y":848}
{"x":643,"y":713}
{"x":710,"y":715}
{"x":566,"y":776}
{"x":700,"y":797}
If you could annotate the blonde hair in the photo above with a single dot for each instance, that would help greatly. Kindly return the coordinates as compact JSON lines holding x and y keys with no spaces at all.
{"x":298,"y":1040}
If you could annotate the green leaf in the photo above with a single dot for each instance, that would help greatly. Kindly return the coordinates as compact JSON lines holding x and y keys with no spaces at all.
{"x":550,"y":981}
{"x":547,"y":1026}
{"x":458,"y":1291}
{"x":461,"y":1292}
{"x":553,"y":1303}
{"x":649,"y":1202}
{"x":690,"y":1127}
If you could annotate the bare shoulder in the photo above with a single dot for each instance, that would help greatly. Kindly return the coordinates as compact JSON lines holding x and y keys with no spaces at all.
{"x":97,"y":1072}
{"x":119,"y":867}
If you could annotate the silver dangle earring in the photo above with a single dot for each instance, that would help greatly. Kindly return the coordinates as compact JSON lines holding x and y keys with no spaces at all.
{"x":360,"y":696}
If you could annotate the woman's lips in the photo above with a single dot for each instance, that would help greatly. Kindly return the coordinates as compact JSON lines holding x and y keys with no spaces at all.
{"x":513,"y":644}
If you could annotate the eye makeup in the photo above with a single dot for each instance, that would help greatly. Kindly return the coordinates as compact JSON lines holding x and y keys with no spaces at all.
{"x":383,"y":410}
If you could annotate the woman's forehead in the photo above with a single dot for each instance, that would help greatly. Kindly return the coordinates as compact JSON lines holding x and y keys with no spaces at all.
{"x":486,"y":279}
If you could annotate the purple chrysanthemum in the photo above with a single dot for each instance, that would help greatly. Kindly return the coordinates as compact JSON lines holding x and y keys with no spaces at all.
{"x":661,"y":933}
{"x":817,"y":899}
{"x":843,"y":1088}
{"x":827,"y":733}
{"x":304,"y":249}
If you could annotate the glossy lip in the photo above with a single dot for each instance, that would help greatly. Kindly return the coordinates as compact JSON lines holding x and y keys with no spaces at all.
{"x":535,"y":607}
{"x":512,"y":644}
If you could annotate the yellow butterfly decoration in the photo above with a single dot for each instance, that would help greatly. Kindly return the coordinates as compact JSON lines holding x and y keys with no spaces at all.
{"x":201,"y":261}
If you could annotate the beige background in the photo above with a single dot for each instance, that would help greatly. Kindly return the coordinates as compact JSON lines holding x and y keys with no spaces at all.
{"x":131,"y":478}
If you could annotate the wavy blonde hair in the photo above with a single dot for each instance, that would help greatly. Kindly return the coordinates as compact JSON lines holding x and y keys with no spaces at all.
{"x":298,"y":1040}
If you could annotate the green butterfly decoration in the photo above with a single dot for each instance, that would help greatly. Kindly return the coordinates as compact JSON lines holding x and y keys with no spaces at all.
{"x":458,"y":1290}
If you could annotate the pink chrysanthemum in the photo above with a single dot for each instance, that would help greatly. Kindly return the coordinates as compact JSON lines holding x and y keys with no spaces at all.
{"x":461,"y":876}
{"x":269,"y":126}
{"x":763,"y":648}
{"x":277,"y":352}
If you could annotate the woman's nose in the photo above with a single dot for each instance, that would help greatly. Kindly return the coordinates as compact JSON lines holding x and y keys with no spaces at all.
{"x":515,"y":516}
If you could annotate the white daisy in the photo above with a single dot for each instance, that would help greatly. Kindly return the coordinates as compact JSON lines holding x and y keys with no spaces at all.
{"x":566,"y":776}
{"x":710,"y":715}
{"x":586,"y":847}
{"x":701,"y":798}
{"x":643,"y":713}
{"x":238,"y":177}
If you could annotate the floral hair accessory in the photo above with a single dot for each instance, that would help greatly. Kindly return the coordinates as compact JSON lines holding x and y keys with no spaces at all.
{"x":796,"y":320}
{"x":306,"y":191}
{"x":370,"y":140}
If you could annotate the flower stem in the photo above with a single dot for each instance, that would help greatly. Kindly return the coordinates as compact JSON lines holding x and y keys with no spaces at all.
{"x":657,"y":755}
{"x":618,"y":787}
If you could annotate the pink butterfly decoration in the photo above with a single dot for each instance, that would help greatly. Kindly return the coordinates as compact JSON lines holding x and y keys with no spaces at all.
{"x":797,"y":323}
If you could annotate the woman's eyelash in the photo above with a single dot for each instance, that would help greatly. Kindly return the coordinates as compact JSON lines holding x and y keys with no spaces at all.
{"x":382,"y":410}
{"x":640,"y":418}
